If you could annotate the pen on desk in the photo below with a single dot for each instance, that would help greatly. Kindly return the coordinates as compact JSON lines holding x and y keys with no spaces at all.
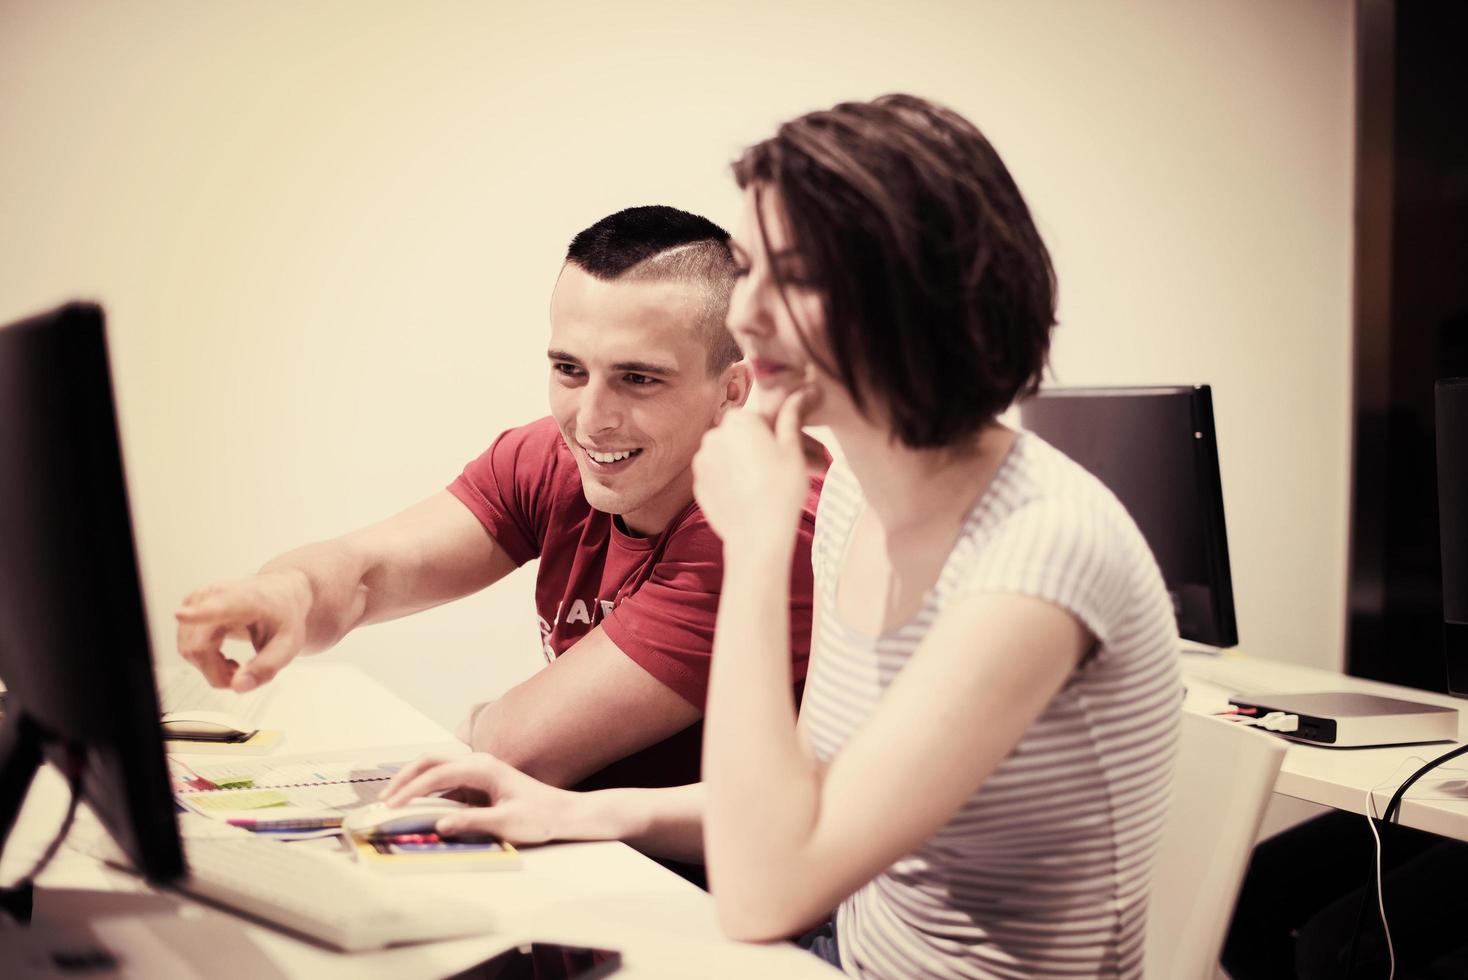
{"x":295,"y":823}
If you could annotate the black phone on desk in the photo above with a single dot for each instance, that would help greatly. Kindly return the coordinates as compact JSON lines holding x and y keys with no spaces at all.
{"x":545,"y":961}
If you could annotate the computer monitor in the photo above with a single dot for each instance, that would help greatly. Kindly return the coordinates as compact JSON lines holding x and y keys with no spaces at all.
{"x":74,"y":650}
{"x":1156,"y":449}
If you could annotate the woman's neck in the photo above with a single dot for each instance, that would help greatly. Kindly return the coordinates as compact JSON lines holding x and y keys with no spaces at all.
{"x":907,"y":488}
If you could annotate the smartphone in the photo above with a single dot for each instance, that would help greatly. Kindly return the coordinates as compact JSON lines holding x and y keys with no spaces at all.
{"x":545,"y":961}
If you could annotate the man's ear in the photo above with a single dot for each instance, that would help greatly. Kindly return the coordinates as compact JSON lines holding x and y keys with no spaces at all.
{"x":737,"y":381}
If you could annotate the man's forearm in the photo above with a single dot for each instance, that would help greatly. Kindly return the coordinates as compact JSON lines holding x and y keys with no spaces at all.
{"x":335,"y":577}
{"x":520,"y":745}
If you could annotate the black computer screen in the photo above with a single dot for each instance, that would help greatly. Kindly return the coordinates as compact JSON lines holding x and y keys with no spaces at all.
{"x":1155,"y":448}
{"x":74,"y":648}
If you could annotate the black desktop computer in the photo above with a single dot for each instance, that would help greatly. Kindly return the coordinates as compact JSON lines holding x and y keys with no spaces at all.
{"x":1155,"y":448}
{"x":74,"y":650}
{"x":75,"y":658}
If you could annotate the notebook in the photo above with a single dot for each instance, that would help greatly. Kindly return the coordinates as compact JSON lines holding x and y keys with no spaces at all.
{"x":181,"y":688}
{"x":260,"y":789}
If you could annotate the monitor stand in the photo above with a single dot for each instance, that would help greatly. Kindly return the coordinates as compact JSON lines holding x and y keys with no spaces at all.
{"x":20,"y":758}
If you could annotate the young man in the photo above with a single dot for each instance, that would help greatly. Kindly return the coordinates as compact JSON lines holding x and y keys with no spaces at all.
{"x":601,"y":492}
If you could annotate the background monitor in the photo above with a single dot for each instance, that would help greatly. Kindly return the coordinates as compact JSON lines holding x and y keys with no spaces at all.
{"x":74,"y":647}
{"x":1156,"y":449}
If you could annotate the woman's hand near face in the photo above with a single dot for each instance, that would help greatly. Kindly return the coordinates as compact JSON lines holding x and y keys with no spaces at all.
{"x":521,"y":809}
{"x":750,"y":476}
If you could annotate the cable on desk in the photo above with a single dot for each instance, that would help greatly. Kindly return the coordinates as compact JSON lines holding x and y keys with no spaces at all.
{"x":1391,"y":953}
{"x":15,"y":898}
{"x":1389,"y":815}
{"x":1393,"y":808}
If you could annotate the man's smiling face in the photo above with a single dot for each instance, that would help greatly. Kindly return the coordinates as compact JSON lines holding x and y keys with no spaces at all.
{"x":631,"y":392}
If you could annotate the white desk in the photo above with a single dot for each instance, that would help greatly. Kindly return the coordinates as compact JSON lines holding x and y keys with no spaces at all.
{"x":598,"y":894}
{"x":1341,"y":778}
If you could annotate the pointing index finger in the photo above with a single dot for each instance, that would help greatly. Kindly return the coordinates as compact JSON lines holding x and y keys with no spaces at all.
{"x":234,"y":607}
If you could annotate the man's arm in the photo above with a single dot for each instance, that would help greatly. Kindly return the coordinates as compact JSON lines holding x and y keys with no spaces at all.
{"x":308,"y":599}
{"x":592,"y":706}
{"x":433,"y":552}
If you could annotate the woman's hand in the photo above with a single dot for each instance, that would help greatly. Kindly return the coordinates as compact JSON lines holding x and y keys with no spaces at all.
{"x":520,"y":809}
{"x":750,"y":476}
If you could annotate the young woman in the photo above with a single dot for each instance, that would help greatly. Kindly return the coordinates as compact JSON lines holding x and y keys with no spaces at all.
{"x":979,"y":772}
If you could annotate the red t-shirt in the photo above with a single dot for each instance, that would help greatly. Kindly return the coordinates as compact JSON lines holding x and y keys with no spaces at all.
{"x":654,"y":597}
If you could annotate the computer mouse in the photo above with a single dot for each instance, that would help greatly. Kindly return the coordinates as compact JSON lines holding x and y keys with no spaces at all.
{"x":417,"y":816}
{"x":204,"y":724}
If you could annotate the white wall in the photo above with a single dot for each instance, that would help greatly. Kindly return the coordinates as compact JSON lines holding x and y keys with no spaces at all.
{"x":326,"y":238}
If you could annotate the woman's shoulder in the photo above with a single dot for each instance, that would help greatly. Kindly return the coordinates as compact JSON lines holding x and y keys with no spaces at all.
{"x":1040,"y":488}
{"x":1053,"y":530}
{"x":1045,"y":514}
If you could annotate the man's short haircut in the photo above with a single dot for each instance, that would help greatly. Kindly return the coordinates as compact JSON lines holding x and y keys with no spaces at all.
{"x":663,"y":244}
{"x":938,"y":293}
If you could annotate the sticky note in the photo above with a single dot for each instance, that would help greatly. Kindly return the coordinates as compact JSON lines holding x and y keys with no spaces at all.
{"x":259,"y":799}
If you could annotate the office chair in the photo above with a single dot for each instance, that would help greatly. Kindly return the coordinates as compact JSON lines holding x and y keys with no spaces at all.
{"x":1225,"y":775}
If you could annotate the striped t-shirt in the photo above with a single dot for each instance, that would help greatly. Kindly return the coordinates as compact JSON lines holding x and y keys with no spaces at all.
{"x":1043,"y":872}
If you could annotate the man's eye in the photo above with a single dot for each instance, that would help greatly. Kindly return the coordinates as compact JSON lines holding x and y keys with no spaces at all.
{"x":641,"y":380}
{"x":569,"y":370}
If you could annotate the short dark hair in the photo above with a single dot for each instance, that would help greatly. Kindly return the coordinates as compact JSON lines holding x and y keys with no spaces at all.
{"x":656,"y":242}
{"x":939,"y":295}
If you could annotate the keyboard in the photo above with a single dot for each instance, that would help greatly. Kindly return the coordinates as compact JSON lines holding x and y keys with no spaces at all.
{"x":321,"y":896}
{"x":182,"y":688}
{"x":317,"y":895}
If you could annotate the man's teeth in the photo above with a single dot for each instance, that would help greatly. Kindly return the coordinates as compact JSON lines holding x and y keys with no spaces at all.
{"x":610,"y":457}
